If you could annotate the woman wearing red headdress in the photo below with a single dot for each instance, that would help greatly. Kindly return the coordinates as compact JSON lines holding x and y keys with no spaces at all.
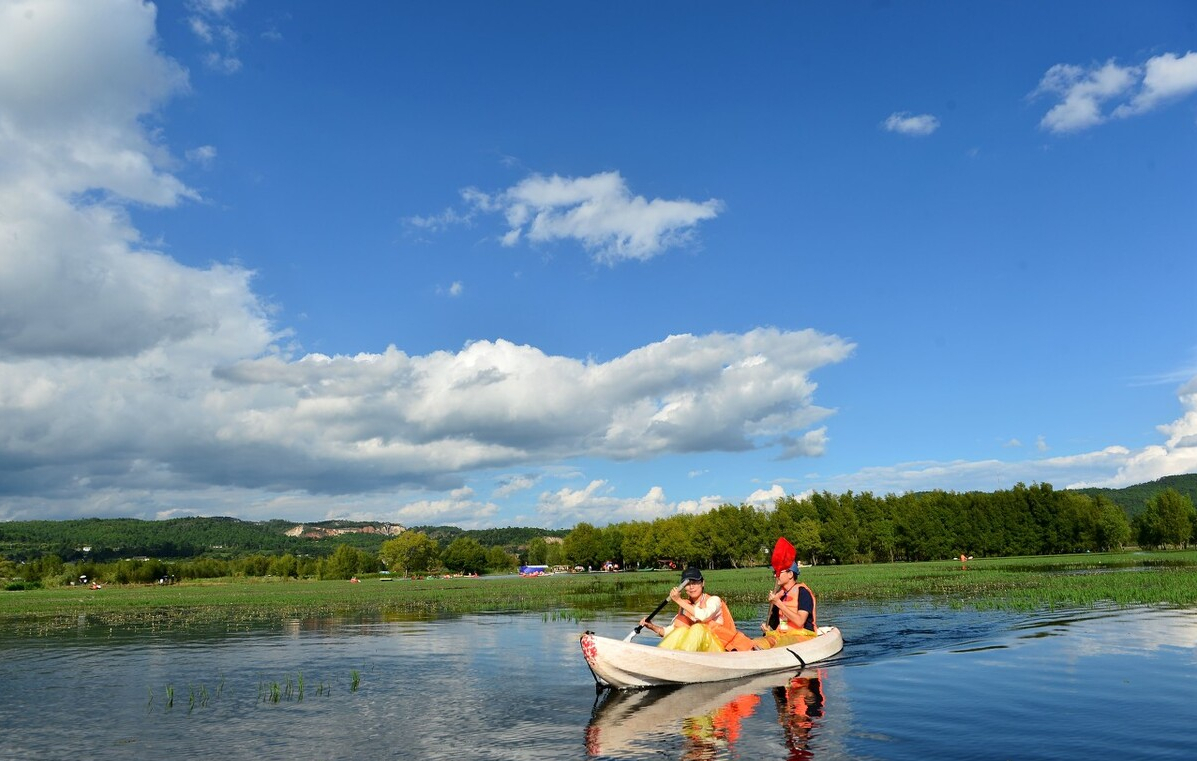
{"x":791,"y":603}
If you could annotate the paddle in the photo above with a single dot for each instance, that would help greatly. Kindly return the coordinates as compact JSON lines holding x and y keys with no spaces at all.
{"x":649,"y":617}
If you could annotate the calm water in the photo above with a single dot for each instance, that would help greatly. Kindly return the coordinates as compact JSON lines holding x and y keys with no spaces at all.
{"x":918,"y":683}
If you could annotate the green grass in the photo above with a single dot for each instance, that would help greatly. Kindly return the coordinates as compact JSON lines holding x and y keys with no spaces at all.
{"x":1023,"y":583}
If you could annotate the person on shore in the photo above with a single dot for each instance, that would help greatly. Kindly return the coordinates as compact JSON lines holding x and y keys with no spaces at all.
{"x":792,"y":611}
{"x":703,"y":622}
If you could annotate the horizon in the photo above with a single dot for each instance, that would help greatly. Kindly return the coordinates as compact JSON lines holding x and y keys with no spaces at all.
{"x":529,"y":265}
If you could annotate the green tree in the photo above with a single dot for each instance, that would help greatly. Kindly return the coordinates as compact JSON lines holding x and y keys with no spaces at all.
{"x":584,"y":545}
{"x":501,"y":561}
{"x":465,"y":555}
{"x":638,"y":545}
{"x":538,"y":551}
{"x":347,"y":561}
{"x":1113,"y":530}
{"x":1167,"y":521}
{"x":410,"y":552}
{"x":554,"y":553}
{"x":731,"y":534}
{"x":285,"y":566}
{"x":45,"y":567}
{"x":675,"y":540}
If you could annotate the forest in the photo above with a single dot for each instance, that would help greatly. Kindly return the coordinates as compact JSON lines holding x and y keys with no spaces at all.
{"x":824,"y":527}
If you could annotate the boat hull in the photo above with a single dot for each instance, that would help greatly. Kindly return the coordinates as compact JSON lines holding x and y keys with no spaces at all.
{"x":623,"y":665}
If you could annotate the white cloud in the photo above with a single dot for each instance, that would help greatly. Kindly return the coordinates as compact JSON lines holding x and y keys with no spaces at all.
{"x":128,"y":380}
{"x":1041,"y":444}
{"x":599,"y":212}
{"x":1114,"y":466}
{"x":1178,"y":453}
{"x":437,"y":222}
{"x":215,"y":7}
{"x":906,"y":123}
{"x":810,"y":444}
{"x":1165,"y":77}
{"x":204,"y":155}
{"x":514,"y":485}
{"x":459,"y":510}
{"x":201,"y":29}
{"x":1083,"y":93}
{"x":222,"y":62}
{"x":210,"y":28}
{"x":76,"y":81}
{"x":766,"y":498}
{"x":595,"y":504}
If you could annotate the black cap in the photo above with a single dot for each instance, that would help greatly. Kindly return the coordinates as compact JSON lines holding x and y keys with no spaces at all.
{"x":691,"y":574}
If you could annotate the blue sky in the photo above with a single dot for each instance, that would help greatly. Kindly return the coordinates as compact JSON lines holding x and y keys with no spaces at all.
{"x":535,"y":263}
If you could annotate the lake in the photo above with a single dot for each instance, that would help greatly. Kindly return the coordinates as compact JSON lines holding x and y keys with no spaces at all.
{"x":914,"y":682}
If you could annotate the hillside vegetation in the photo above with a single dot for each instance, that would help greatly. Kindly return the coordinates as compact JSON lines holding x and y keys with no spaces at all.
{"x":1133,"y":499}
{"x":824,"y":528}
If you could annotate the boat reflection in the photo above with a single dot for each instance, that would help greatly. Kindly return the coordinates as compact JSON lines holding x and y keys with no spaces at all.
{"x":708,"y":717}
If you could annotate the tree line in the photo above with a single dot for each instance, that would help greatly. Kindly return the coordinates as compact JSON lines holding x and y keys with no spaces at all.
{"x":824,"y":528}
{"x":864,"y":528}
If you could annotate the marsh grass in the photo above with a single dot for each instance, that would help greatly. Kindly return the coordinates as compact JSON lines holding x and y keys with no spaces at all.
{"x":1024,"y":583}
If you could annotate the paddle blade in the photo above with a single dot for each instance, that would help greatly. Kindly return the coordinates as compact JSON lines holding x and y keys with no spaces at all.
{"x":783,"y":555}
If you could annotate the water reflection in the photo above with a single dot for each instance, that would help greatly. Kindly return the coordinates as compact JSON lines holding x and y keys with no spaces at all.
{"x":707,"y":719}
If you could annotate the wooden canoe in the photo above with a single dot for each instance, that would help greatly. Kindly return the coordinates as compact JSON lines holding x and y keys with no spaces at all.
{"x":620,"y":664}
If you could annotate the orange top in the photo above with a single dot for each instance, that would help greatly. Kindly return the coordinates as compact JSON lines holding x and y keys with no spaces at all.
{"x":790,"y":603}
{"x":721,"y":625}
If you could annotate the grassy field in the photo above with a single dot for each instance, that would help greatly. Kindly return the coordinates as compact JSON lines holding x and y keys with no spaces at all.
{"x":1027,"y":583}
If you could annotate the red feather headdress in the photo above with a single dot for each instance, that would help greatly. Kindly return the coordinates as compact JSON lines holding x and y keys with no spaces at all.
{"x":783,"y":555}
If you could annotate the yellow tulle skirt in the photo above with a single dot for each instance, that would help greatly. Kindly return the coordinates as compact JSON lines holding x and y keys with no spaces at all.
{"x":775,"y":638}
{"x":696,"y":639}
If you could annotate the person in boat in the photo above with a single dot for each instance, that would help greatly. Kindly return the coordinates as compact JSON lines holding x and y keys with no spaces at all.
{"x":703,"y":622}
{"x":791,"y":611}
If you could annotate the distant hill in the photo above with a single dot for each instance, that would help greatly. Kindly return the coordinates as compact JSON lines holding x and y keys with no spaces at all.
{"x":104,"y":539}
{"x":1133,"y":499}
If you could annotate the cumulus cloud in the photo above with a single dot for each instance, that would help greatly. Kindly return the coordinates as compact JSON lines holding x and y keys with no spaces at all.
{"x":766,"y":498}
{"x":128,"y":380}
{"x":76,"y":281}
{"x":598,"y":211}
{"x":596,"y":504}
{"x":459,"y":509}
{"x":1084,"y":94}
{"x":1178,"y":453}
{"x":514,"y":485}
{"x":906,"y":123}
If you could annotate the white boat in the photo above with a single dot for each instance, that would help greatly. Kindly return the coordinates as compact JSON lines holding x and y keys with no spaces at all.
{"x":620,"y":664}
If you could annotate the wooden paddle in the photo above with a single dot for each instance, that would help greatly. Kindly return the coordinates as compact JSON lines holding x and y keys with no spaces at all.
{"x":649,"y":617}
